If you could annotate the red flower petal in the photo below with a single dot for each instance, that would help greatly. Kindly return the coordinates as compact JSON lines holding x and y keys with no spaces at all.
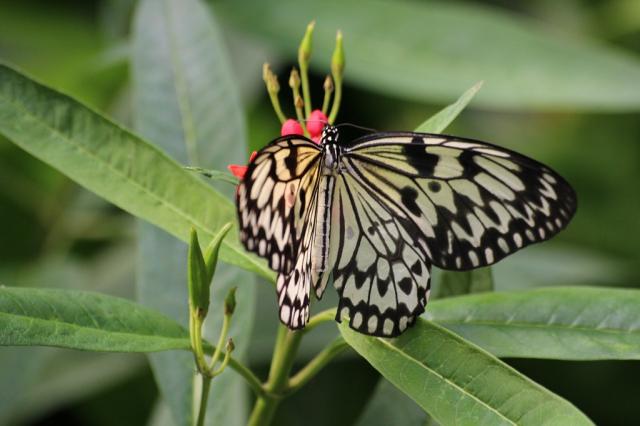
{"x":291,"y":127}
{"x":237,"y":170}
{"x":316,"y":122}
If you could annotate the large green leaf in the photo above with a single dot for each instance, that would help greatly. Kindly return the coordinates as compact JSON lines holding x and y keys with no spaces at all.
{"x":434,"y":50}
{"x":36,"y":380}
{"x":115,"y":164}
{"x":186,"y":102}
{"x":458,"y":383}
{"x":84,"y":320}
{"x":580,"y":323}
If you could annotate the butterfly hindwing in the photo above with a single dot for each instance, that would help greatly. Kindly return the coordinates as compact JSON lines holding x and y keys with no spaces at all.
{"x":474,"y":203}
{"x":382,"y":277}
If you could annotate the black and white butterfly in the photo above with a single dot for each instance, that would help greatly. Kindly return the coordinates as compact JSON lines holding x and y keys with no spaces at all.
{"x":376,"y":213}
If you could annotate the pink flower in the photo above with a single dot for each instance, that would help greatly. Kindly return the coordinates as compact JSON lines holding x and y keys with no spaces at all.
{"x":238,"y":170}
{"x":291,"y":127}
{"x":316,"y":122}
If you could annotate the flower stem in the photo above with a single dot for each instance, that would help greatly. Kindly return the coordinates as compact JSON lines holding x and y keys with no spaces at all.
{"x":286,"y":347}
{"x":304,"y":54}
{"x":221,"y":339}
{"x":328,"y":90}
{"x":337,"y":69}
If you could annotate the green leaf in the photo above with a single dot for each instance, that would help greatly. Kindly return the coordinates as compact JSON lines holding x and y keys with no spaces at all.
{"x":459,"y":383}
{"x":37,"y":380}
{"x":186,"y":102}
{"x":456,"y":283}
{"x":115,"y":164}
{"x":434,"y":50}
{"x":577,"y":323}
{"x":83,"y":320}
{"x":441,"y":120}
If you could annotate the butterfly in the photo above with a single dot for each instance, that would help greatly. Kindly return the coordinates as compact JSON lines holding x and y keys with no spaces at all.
{"x":376,"y":213}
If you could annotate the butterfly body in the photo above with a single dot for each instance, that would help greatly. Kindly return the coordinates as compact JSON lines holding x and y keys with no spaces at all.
{"x":377,"y":213}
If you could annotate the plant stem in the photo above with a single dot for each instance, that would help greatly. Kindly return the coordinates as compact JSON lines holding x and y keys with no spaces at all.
{"x":221,"y":339}
{"x":337,"y":98}
{"x":251,"y":379}
{"x":195,"y":322}
{"x":204,"y":397}
{"x":303,"y":376}
{"x":275,"y":102}
{"x":285,"y":349}
{"x":306,"y":94}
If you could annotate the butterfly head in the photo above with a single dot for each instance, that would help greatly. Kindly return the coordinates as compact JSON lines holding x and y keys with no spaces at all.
{"x":329,"y":135}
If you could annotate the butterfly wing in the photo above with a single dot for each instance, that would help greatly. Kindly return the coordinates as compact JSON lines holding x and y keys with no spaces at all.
{"x":277,"y":202}
{"x":381,"y":274}
{"x":472,"y":203}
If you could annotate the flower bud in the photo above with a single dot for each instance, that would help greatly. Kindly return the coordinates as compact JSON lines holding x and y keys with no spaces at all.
{"x":230,"y":302}
{"x":291,"y":127}
{"x":230,"y":346}
{"x":328,"y":84}
{"x":198,"y":278}
{"x":304,"y":51}
{"x":337,"y":60}
{"x":294,"y":79}
{"x":316,"y":122}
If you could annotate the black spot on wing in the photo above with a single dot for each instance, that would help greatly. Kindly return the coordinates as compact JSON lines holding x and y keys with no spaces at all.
{"x":291,"y":160}
{"x":434,"y":186}
{"x":418,"y":157}
{"x":408,"y":196}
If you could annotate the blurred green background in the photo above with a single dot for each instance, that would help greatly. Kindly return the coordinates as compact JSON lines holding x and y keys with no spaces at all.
{"x":562,"y":84}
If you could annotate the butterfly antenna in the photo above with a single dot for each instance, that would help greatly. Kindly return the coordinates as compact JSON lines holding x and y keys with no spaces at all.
{"x":366,"y":129}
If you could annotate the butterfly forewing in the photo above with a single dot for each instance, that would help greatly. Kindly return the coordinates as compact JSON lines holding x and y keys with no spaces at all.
{"x":275,"y":193}
{"x":474,"y":203}
{"x":277,"y":208}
